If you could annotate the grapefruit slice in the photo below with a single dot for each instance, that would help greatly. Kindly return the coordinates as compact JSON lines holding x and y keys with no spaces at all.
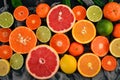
{"x":42,"y":62}
{"x":60,"y":19}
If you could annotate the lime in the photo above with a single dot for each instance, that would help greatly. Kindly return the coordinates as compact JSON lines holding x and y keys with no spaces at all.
{"x":6,"y":19}
{"x":4,"y":67}
{"x":104,"y":27}
{"x":43,"y":34}
{"x":94,"y":13}
{"x":68,"y":64}
{"x":16,"y":61}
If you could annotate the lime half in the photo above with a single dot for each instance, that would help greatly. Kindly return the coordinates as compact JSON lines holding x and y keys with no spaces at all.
{"x":94,"y":13}
{"x":6,"y":19}
{"x":4,"y":67}
{"x":16,"y":61}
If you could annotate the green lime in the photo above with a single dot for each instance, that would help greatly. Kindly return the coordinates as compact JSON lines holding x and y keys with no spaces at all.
{"x":16,"y":3}
{"x":16,"y":61}
{"x":104,"y":27}
{"x":43,"y":34}
{"x":6,"y":19}
{"x":4,"y":67}
{"x":94,"y":13}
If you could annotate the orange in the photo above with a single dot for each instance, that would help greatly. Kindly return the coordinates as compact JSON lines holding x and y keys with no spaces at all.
{"x":5,"y":51}
{"x":33,"y":21}
{"x":22,"y":39}
{"x":4,"y":34}
{"x":76,"y":49}
{"x":100,"y":46}
{"x":42,"y":10}
{"x":89,"y":65}
{"x":109,"y":63}
{"x":83,"y":31}
{"x":21,"y":13}
{"x":60,"y":42}
{"x":79,"y":11}
{"x":111,"y":11}
{"x":116,"y":30}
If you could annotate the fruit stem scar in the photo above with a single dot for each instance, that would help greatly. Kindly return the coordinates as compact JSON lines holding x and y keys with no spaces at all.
{"x":42,"y":61}
{"x":59,"y":43}
{"x":90,"y":66}
{"x":60,"y":16}
{"x":83,"y":30}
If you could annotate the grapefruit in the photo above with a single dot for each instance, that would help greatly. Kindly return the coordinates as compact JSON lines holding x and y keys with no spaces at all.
{"x":42,"y":62}
{"x":60,"y":19}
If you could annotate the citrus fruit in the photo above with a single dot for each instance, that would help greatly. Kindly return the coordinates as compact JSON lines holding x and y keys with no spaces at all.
{"x":109,"y":63}
{"x":116,"y":31}
{"x":33,"y":21}
{"x":42,"y":62}
{"x":4,"y":34}
{"x":43,"y":34}
{"x":104,"y":27}
{"x":22,"y":39}
{"x":115,"y":47}
{"x":68,"y":64}
{"x":21,"y":13}
{"x":83,"y":31}
{"x":42,"y":10}
{"x":16,"y":61}
{"x":79,"y":11}
{"x":60,"y":18}
{"x":4,"y":67}
{"x":76,"y":49}
{"x":94,"y":13}
{"x":60,"y":42}
{"x":5,"y":51}
{"x":6,"y":19}
{"x":100,"y":46}
{"x":112,"y":11}
{"x":89,"y":65}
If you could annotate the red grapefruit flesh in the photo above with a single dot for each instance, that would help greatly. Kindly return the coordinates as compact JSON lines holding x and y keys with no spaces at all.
{"x":60,"y":19}
{"x":42,"y":62}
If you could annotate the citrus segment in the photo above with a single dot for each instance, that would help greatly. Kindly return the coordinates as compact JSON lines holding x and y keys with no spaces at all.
{"x":42,"y":62}
{"x":83,"y":31}
{"x":60,"y":19}
{"x":22,"y":39}
{"x":116,"y":31}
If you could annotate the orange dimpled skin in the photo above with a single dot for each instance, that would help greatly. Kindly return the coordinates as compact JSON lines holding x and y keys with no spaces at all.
{"x":116,"y":31}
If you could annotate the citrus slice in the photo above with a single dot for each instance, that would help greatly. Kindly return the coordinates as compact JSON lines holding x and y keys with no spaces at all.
{"x":94,"y":13}
{"x":43,"y":34}
{"x":109,"y":63}
{"x":83,"y":31}
{"x":6,"y":19}
{"x":22,"y":39}
{"x":21,"y":13}
{"x":89,"y":65}
{"x":115,"y":47}
{"x":16,"y":61}
{"x":4,"y":67}
{"x":33,"y":21}
{"x":42,"y":62}
{"x":4,"y":34}
{"x":60,"y":19}
{"x":60,"y":42}
{"x":100,"y":46}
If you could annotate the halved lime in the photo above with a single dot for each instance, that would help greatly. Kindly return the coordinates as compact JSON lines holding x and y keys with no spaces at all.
{"x":94,"y":13}
{"x":43,"y":34}
{"x":4,"y":67}
{"x":16,"y":61}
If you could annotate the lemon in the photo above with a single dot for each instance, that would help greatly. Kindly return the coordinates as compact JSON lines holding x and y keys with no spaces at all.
{"x":68,"y":64}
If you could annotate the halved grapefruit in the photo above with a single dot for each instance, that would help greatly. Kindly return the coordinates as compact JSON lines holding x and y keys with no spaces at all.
{"x":42,"y":62}
{"x":60,"y":19}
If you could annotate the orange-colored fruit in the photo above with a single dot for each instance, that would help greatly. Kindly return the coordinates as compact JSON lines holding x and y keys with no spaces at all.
{"x":76,"y":49}
{"x":60,"y":42}
{"x":109,"y":63}
{"x":80,"y":12}
{"x":89,"y":65}
{"x":83,"y":31}
{"x":111,"y":11}
{"x":22,"y":39}
{"x":5,"y":51}
{"x":42,"y":10}
{"x":116,"y":31}
{"x":100,"y":46}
